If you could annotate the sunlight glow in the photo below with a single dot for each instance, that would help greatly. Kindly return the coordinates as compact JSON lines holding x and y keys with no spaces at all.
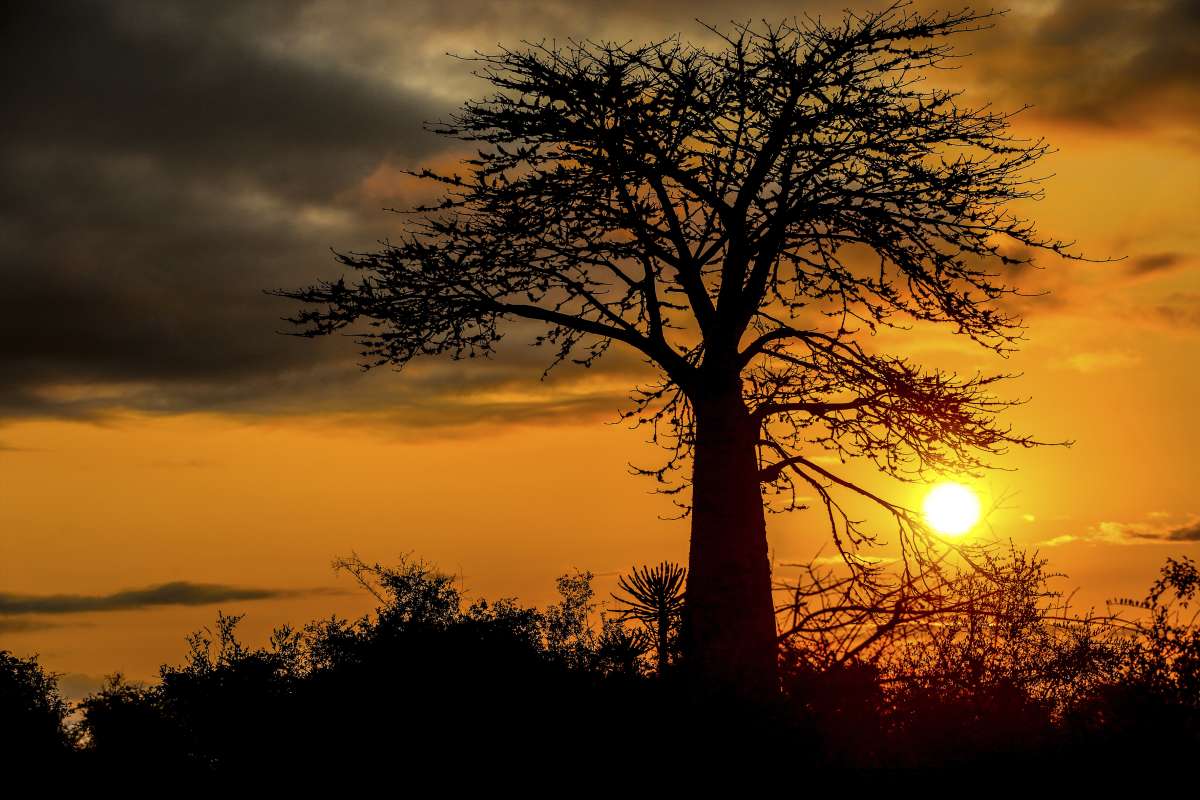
{"x":951,"y":508}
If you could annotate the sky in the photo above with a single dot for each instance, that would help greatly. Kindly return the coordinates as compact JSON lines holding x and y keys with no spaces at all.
{"x":164,"y":453}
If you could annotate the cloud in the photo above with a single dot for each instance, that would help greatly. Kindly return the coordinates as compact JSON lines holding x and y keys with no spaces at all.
{"x":1090,"y":362}
{"x":1180,"y":310}
{"x":75,"y":686}
{"x":164,"y":162}
{"x":1152,"y":532}
{"x":177,"y":593}
{"x":26,"y":625}
{"x":161,"y":167}
{"x":1155,"y":263}
{"x":1157,"y":529}
{"x":1184,"y":533}
{"x":1117,"y":63}
{"x":1059,"y":541}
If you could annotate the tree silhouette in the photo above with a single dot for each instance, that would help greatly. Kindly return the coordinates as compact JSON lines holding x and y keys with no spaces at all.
{"x":654,"y":597}
{"x":34,"y":731}
{"x":744,"y":218}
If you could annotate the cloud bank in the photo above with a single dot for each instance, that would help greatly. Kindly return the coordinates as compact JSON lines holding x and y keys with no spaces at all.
{"x":161,"y":163}
{"x":177,"y":593}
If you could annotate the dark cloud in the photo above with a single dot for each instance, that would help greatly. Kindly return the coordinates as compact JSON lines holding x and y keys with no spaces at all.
{"x":163,"y":162}
{"x":26,"y":625}
{"x":1185,"y":533}
{"x":75,"y":686}
{"x":160,"y":165}
{"x":194,"y":86}
{"x":177,"y":593}
{"x":1155,"y":262}
{"x":166,"y":162}
{"x":1109,"y":62}
{"x":1180,"y":310}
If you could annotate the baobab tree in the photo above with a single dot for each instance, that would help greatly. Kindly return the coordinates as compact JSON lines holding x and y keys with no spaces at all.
{"x":744,"y":217}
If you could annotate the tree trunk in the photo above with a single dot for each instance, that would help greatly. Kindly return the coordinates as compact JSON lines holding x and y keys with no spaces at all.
{"x":729,"y":625}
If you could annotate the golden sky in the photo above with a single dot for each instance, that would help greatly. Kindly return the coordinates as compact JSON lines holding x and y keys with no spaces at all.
{"x":154,"y":429}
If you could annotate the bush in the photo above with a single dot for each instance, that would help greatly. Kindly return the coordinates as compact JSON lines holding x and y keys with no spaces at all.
{"x":34,"y":729}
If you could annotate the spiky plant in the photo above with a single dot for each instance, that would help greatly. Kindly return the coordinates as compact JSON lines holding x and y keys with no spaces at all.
{"x":654,"y":597}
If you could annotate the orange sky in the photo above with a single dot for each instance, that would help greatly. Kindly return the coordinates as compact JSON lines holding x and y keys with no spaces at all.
{"x":521,"y":481}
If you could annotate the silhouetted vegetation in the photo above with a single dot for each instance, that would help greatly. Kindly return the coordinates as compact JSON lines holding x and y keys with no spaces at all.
{"x":654,"y":597}
{"x":1004,"y":672}
{"x":33,"y":715}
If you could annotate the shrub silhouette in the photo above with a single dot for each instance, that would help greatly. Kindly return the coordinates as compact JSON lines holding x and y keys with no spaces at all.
{"x":1004,"y":673}
{"x":1152,"y":708}
{"x":34,"y":732}
{"x":424,"y":671}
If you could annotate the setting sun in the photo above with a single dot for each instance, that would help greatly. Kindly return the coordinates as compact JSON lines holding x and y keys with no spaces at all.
{"x":951,"y":508}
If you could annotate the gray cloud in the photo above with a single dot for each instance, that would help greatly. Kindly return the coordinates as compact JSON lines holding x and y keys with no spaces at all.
{"x":1184,"y":533}
{"x":76,"y":686}
{"x":1115,"y":63}
{"x":161,"y":163}
{"x":160,"y":166}
{"x":1180,"y":310}
{"x":25,"y":625}
{"x":196,"y":87}
{"x":1155,"y":529}
{"x":1155,"y":262}
{"x":177,"y":593}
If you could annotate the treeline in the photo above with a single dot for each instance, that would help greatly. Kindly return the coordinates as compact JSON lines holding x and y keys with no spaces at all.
{"x":990,"y":670}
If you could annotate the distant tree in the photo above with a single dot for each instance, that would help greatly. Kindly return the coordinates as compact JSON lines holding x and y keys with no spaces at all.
{"x":1152,"y":709}
{"x":979,"y":660}
{"x":34,"y":728}
{"x":996,"y":619}
{"x":1167,"y":659}
{"x":743,"y":219}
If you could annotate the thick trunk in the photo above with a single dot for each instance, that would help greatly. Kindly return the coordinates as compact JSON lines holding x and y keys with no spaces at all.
{"x":729,"y":625}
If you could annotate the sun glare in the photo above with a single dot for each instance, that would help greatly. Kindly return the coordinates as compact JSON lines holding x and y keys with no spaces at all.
{"x":951,"y":508}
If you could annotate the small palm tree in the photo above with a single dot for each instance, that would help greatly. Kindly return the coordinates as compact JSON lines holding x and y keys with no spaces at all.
{"x":654,"y":597}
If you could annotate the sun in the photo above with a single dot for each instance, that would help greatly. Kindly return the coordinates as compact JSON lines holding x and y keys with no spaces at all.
{"x":951,"y":508}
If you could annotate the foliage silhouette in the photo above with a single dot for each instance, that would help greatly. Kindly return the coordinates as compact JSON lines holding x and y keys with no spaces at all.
{"x":1008,"y":674}
{"x":993,"y":666}
{"x":744,"y":219}
{"x":424,"y":670}
{"x":1153,"y":709}
{"x":34,"y":729}
{"x":654,"y":597}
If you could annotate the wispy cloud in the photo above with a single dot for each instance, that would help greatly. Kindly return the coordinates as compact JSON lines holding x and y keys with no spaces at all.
{"x":1180,"y":310}
{"x":1158,"y":528}
{"x":1104,"y":62}
{"x":1089,"y":362}
{"x":25,"y":625}
{"x":177,"y":593}
{"x":1155,"y":263}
